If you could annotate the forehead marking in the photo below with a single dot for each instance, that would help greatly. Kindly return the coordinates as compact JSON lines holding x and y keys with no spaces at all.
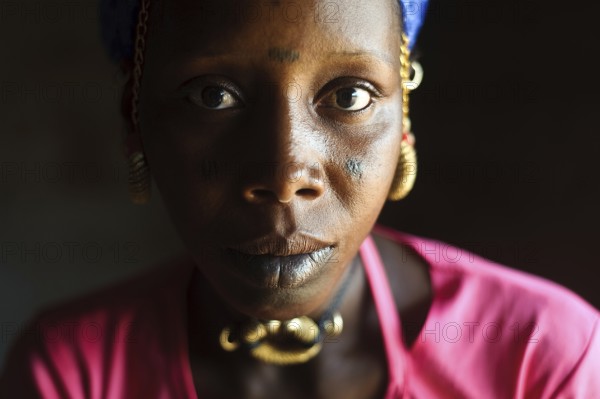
{"x":282,"y":55}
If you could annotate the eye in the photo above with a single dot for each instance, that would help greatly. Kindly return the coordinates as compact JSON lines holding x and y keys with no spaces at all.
{"x":215,"y":97}
{"x":350,"y":99}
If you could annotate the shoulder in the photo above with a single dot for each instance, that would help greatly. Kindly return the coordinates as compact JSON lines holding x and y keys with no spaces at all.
{"x":73,"y":345}
{"x":456,"y":272}
{"x":125,"y":301}
{"x":492,"y":314}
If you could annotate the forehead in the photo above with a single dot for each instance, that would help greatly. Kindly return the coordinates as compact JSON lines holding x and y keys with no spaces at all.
{"x":191,"y":27}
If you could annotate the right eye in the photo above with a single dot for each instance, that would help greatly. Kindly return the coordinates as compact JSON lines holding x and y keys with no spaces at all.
{"x":215,"y":97}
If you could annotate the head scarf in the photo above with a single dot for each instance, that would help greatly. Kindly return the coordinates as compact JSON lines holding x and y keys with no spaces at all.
{"x":118,"y":19}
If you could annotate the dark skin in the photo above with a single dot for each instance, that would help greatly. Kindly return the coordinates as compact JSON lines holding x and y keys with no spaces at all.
{"x":292,"y":85}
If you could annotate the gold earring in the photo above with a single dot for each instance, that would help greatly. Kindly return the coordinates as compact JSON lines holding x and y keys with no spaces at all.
{"x":139,"y":179}
{"x":406,"y":169}
{"x":139,"y":174}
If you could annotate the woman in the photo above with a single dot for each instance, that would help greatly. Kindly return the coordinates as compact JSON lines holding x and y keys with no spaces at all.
{"x":275,"y":133}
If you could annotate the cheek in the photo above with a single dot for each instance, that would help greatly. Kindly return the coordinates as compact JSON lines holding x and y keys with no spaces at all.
{"x":366,"y":163}
{"x":188,"y":164}
{"x":385,"y":148}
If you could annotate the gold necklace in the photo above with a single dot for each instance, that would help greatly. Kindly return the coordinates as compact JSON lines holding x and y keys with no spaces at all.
{"x":283,"y":342}
{"x":287,"y":342}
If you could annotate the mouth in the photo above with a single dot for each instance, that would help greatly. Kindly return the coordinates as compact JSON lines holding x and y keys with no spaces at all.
{"x":279,"y":263}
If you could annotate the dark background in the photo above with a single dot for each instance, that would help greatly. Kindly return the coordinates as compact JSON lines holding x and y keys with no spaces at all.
{"x":507,"y":132}
{"x":508,"y":136}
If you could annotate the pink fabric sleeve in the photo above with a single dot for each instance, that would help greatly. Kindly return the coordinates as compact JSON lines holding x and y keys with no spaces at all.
{"x":553,"y":354}
{"x":66,"y":358}
{"x":27,"y":372}
{"x":584,"y":380}
{"x":124,"y":341}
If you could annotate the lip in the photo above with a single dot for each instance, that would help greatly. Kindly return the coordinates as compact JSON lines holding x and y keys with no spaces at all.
{"x":275,"y":262}
{"x":281,"y":246}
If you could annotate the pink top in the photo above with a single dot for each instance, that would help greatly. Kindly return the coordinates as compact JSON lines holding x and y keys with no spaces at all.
{"x":491,"y":332}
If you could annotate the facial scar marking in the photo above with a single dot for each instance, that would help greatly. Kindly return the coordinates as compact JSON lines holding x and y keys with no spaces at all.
{"x":283,"y":55}
{"x":354,"y":168}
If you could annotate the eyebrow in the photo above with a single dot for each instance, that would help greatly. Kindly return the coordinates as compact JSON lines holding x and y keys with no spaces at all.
{"x":275,"y":50}
{"x":362,"y":54}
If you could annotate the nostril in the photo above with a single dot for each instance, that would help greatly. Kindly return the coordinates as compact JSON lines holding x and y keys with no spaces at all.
{"x":307,"y":193}
{"x":261,"y":195}
{"x":283,"y":191}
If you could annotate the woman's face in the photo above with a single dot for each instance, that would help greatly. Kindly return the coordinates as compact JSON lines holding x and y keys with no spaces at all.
{"x":276,"y":127}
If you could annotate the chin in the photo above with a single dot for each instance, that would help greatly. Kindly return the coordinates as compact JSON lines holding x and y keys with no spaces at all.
{"x":275,"y":303}
{"x":271,"y":289}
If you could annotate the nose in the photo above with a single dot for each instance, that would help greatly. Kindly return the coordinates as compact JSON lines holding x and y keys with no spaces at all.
{"x":290,"y":151}
{"x":285,"y":183}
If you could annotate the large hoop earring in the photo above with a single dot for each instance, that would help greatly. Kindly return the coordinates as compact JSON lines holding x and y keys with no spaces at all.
{"x":140,"y":183}
{"x":406,"y":168}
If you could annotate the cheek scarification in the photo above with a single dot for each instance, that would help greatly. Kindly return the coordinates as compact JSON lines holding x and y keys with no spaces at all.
{"x":354,"y":168}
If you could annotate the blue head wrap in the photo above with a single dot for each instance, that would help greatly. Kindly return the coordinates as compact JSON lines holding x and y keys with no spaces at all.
{"x":413,"y":12}
{"x":118,"y":19}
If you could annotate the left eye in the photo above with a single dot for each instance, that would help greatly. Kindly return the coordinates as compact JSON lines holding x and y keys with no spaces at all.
{"x":214,"y":97}
{"x":350,"y":99}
